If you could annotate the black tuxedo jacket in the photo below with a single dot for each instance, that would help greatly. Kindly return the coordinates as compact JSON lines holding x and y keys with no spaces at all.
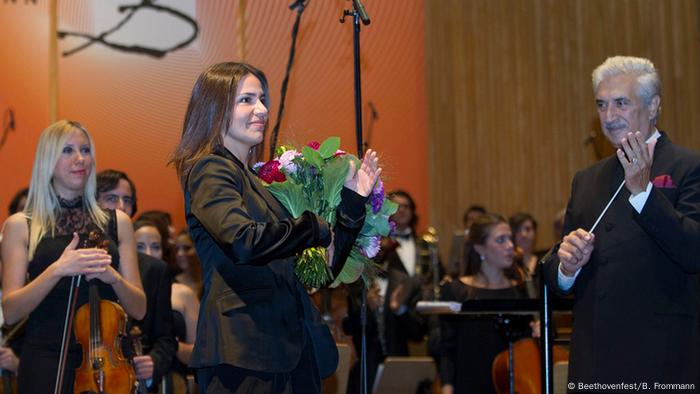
{"x":254,"y":309}
{"x":409,"y":326}
{"x":158,"y":338}
{"x":636,"y":301}
{"x":396,"y":330}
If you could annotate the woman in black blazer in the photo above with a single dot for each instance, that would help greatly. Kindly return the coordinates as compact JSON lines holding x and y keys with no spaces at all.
{"x":257,"y":329}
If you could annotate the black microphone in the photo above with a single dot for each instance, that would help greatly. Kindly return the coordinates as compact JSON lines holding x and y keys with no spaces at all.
{"x":373,"y":110}
{"x":297,"y":4}
{"x":361,"y":11}
{"x":589,"y":140}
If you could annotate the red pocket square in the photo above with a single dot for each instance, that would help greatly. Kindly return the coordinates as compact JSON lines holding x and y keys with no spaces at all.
{"x":663,"y":182}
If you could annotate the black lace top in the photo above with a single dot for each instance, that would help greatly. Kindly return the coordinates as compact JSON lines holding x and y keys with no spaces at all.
{"x":45,"y":324}
{"x":73,"y":218}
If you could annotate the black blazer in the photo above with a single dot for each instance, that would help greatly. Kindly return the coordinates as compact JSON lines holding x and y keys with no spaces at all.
{"x":253,"y":308}
{"x":158,"y":338}
{"x":636,"y":301}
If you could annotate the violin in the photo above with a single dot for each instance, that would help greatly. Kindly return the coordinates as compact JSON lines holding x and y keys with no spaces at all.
{"x":527,"y":373}
{"x":100,"y":326}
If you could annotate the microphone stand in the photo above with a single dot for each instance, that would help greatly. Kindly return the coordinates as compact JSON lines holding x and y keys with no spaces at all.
{"x":358,"y":13}
{"x":299,"y":6}
{"x":370,"y":127}
{"x":546,"y":377}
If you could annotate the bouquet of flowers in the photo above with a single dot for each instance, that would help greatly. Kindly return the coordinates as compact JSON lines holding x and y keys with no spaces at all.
{"x":311,"y":180}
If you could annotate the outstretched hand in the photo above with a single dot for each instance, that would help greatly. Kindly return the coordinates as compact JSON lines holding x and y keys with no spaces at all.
{"x":362,"y":181}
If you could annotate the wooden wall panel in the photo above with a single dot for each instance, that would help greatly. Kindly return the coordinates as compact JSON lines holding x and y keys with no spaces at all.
{"x":510,"y":103}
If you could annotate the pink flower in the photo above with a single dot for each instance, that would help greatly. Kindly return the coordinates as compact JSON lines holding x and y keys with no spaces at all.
{"x":270,"y":172}
{"x":287,"y":161}
{"x":314,"y":144}
{"x":339,"y":153}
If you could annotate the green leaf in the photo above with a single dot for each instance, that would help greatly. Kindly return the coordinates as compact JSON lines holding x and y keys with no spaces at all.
{"x":333,"y":178}
{"x":291,"y":195}
{"x":375,"y":224}
{"x":378,"y":224}
{"x":353,"y":268}
{"x":312,"y":156}
{"x":329,"y":147}
{"x":388,"y":207}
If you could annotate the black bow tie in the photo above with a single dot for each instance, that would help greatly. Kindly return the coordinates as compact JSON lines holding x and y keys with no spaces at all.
{"x":404,"y":236}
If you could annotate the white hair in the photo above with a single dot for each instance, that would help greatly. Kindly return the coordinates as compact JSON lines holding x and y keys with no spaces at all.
{"x":648,"y":82}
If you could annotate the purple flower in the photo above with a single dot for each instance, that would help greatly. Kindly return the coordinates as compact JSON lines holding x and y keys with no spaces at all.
{"x":369,"y":246}
{"x":392,"y":224}
{"x":377,"y":197}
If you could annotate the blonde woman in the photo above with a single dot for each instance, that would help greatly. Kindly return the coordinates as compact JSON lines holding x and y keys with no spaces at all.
{"x":41,"y":244}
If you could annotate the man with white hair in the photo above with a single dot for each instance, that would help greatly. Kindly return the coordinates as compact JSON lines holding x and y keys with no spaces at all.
{"x":634,"y":276}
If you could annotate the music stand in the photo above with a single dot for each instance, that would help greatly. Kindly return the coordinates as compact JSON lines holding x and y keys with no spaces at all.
{"x":403,"y":374}
{"x":505,"y":309}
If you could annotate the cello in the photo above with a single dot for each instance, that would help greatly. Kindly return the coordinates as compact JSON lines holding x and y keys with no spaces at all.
{"x":527,"y":373}
{"x":100,"y":326}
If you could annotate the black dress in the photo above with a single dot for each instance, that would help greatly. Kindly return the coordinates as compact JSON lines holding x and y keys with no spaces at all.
{"x":468,"y":345}
{"x":180,"y":328}
{"x":42,"y":339}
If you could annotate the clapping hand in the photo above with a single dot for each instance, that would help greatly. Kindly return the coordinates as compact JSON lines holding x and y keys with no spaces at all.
{"x":362,"y":181}
{"x":75,"y":261}
{"x":636,"y":157}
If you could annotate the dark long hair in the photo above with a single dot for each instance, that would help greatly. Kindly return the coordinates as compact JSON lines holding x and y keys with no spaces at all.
{"x":209,"y":114}
{"x":411,"y":202}
{"x":481,"y":228}
{"x":518,"y":219}
{"x":479,"y":233}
